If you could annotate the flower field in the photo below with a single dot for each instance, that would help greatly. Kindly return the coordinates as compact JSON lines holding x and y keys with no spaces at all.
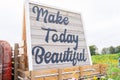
{"x":113,"y":61}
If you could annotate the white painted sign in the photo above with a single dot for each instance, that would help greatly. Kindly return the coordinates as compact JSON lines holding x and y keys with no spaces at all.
{"x":55,"y":38}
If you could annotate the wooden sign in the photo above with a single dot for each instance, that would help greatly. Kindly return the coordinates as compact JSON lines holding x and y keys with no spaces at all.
{"x":55,"y":38}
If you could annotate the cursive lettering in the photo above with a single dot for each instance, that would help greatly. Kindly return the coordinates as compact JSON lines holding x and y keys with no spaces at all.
{"x":41,"y":55}
{"x":51,"y":18}
{"x":63,"y":37}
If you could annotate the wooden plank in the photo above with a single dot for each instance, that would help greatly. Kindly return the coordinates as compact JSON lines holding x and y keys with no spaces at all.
{"x":75,"y":68}
{"x":63,"y":74}
{"x":74,"y":22}
{"x":44,"y":66}
{"x":40,"y":79}
{"x":57,"y":44}
{"x":22,"y":62}
{"x":35,"y":25}
{"x":23,"y":74}
{"x":89,"y":70}
{"x":44,"y":72}
{"x":24,"y":40}
{"x":71,"y":72}
{"x":52,"y":78}
{"x":103,"y":69}
{"x":16,"y":52}
{"x":60,"y":74}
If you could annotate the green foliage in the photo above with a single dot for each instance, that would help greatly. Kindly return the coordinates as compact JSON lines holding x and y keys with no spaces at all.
{"x":104,"y":50}
{"x":111,"y":50}
{"x":112,"y":60}
{"x":119,"y":55}
{"x":93,"y":49}
{"x":117,"y":49}
{"x":114,"y":72}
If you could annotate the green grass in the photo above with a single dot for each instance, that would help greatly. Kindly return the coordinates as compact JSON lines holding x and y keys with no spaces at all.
{"x":106,"y":58}
{"x":110,"y":59}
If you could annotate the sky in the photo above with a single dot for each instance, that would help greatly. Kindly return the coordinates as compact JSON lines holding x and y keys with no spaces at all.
{"x":101,"y":19}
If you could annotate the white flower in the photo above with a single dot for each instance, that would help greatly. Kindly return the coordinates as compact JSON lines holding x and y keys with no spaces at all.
{"x":103,"y":77}
{"x":110,"y":79}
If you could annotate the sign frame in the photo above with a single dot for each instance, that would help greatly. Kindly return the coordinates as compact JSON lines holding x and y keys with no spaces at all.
{"x":28,"y":30}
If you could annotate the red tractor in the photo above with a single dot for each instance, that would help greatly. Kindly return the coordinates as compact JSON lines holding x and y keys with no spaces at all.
{"x":5,"y":60}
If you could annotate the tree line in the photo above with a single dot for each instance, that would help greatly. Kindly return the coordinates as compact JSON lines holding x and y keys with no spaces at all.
{"x":105,"y":50}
